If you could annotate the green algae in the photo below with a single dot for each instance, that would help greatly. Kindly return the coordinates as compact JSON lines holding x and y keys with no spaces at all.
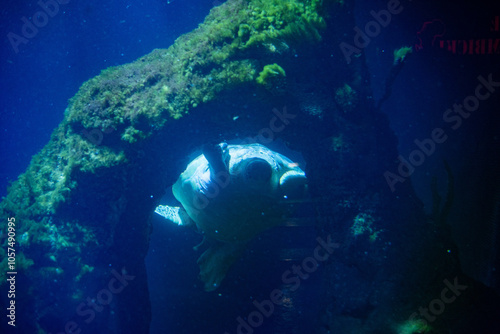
{"x":401,"y":54}
{"x":414,"y":327}
{"x":270,"y":73}
{"x":346,"y":98}
{"x":167,"y":83}
{"x":339,"y":144}
{"x":363,"y":223}
{"x":85,"y":269}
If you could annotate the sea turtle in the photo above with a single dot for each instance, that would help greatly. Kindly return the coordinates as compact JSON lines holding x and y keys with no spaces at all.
{"x":230,"y":193}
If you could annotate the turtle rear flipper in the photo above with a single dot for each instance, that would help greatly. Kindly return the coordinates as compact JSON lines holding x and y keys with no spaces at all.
{"x":216,"y":261}
{"x":175,"y":215}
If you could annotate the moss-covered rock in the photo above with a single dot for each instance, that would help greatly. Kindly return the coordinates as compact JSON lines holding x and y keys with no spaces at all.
{"x":193,"y":70}
{"x":129,"y":103}
{"x":77,"y":201}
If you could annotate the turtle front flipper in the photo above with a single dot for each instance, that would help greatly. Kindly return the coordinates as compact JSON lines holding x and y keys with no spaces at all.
{"x":175,"y":215}
{"x":218,"y":159}
{"x":216,"y":261}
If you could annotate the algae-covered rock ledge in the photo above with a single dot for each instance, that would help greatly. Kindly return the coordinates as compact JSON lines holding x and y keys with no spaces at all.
{"x":81,"y":207}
